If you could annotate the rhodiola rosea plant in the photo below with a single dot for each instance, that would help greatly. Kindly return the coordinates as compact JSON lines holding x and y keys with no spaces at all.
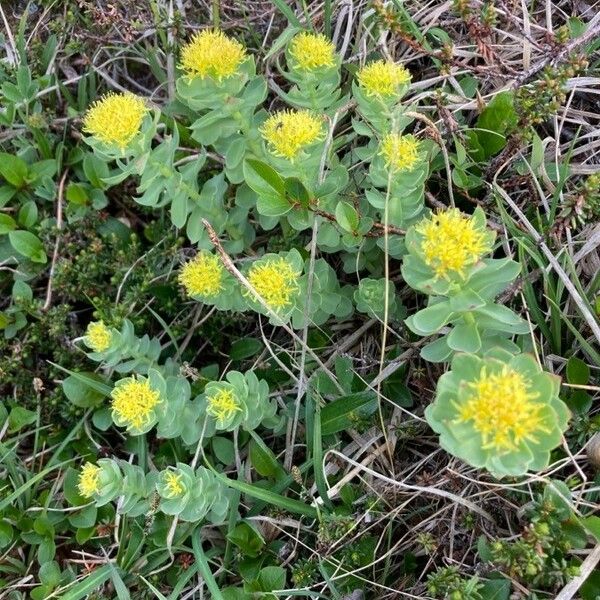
{"x":296,"y":167}
{"x":309,"y":195}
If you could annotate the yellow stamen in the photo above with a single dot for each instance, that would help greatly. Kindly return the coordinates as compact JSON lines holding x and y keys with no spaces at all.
{"x":275,"y":281}
{"x":223,"y":404}
{"x":503,"y":410}
{"x":212,"y":54}
{"x":287,"y":132}
{"x":401,"y":152}
{"x":88,"y":484}
{"x":97,"y":336}
{"x":451,"y":242}
{"x":311,"y":51}
{"x":382,"y":78}
{"x":134,"y":401}
{"x":173,"y":484}
{"x":115,"y":118}
{"x":202,"y":276}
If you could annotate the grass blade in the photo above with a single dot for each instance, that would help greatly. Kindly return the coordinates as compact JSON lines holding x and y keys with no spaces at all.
{"x":204,"y":568}
{"x":90,"y":584}
{"x":289,"y":504}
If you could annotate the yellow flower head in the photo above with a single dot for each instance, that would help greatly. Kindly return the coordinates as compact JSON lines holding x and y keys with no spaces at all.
{"x":223,"y":404}
{"x":287,"y":132}
{"x":115,"y":118}
{"x":311,"y":51}
{"x":133,"y":402}
{"x":88,"y":484}
{"x":97,"y":336}
{"x":382,"y":78}
{"x":172,"y":483}
{"x":452,"y":242}
{"x":212,"y":54}
{"x":275,"y":281}
{"x":502,"y":409}
{"x":401,"y":152}
{"x":203,"y":275}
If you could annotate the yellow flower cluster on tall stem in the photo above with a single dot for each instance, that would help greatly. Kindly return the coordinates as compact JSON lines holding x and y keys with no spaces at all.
{"x":400,"y":152}
{"x":287,"y":132}
{"x":503,"y":410}
{"x":212,"y":54}
{"x":452,"y":242}
{"x":382,"y":78}
{"x":115,"y":119}
{"x":98,"y":336}
{"x":275,"y":281}
{"x":312,"y":51}
{"x":134,"y":401}
{"x":203,"y":275}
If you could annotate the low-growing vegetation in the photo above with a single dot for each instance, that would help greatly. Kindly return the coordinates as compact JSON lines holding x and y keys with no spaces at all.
{"x":299,"y":300}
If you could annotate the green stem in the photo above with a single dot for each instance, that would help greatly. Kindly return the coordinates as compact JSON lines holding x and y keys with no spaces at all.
{"x":216,"y":14}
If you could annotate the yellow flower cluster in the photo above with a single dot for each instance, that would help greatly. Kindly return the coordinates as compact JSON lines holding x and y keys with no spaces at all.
{"x":88,"y":483}
{"x":311,"y":51}
{"x":173,"y":484}
{"x":203,"y":275}
{"x":97,"y":336}
{"x":451,"y":242}
{"x":502,"y":410}
{"x":287,"y":132}
{"x":115,"y":119}
{"x":401,"y":152}
{"x":275,"y":281}
{"x":382,"y":78}
{"x":223,"y":404}
{"x":134,"y":401}
{"x":212,"y":54}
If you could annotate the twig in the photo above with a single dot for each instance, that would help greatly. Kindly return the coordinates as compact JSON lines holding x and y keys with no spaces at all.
{"x":228,"y":264}
{"x":11,"y":47}
{"x":170,"y":55}
{"x":591,"y":32}
{"x":61,"y":189}
{"x":391,"y":229}
{"x":416,"y":488}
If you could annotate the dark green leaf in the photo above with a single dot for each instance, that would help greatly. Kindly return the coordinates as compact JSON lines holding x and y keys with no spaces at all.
{"x":29,"y":245}
{"x":80,"y":393}
{"x":13,"y":169}
{"x":578,"y":372}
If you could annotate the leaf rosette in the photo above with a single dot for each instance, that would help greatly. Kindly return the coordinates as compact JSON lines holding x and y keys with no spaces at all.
{"x":444,"y":249}
{"x":121,"y":349}
{"x":501,"y":412}
{"x":192,"y":495}
{"x":136,"y":402}
{"x":101,"y":482}
{"x":242,"y":400}
{"x":446,"y":261}
{"x":370,"y":298}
